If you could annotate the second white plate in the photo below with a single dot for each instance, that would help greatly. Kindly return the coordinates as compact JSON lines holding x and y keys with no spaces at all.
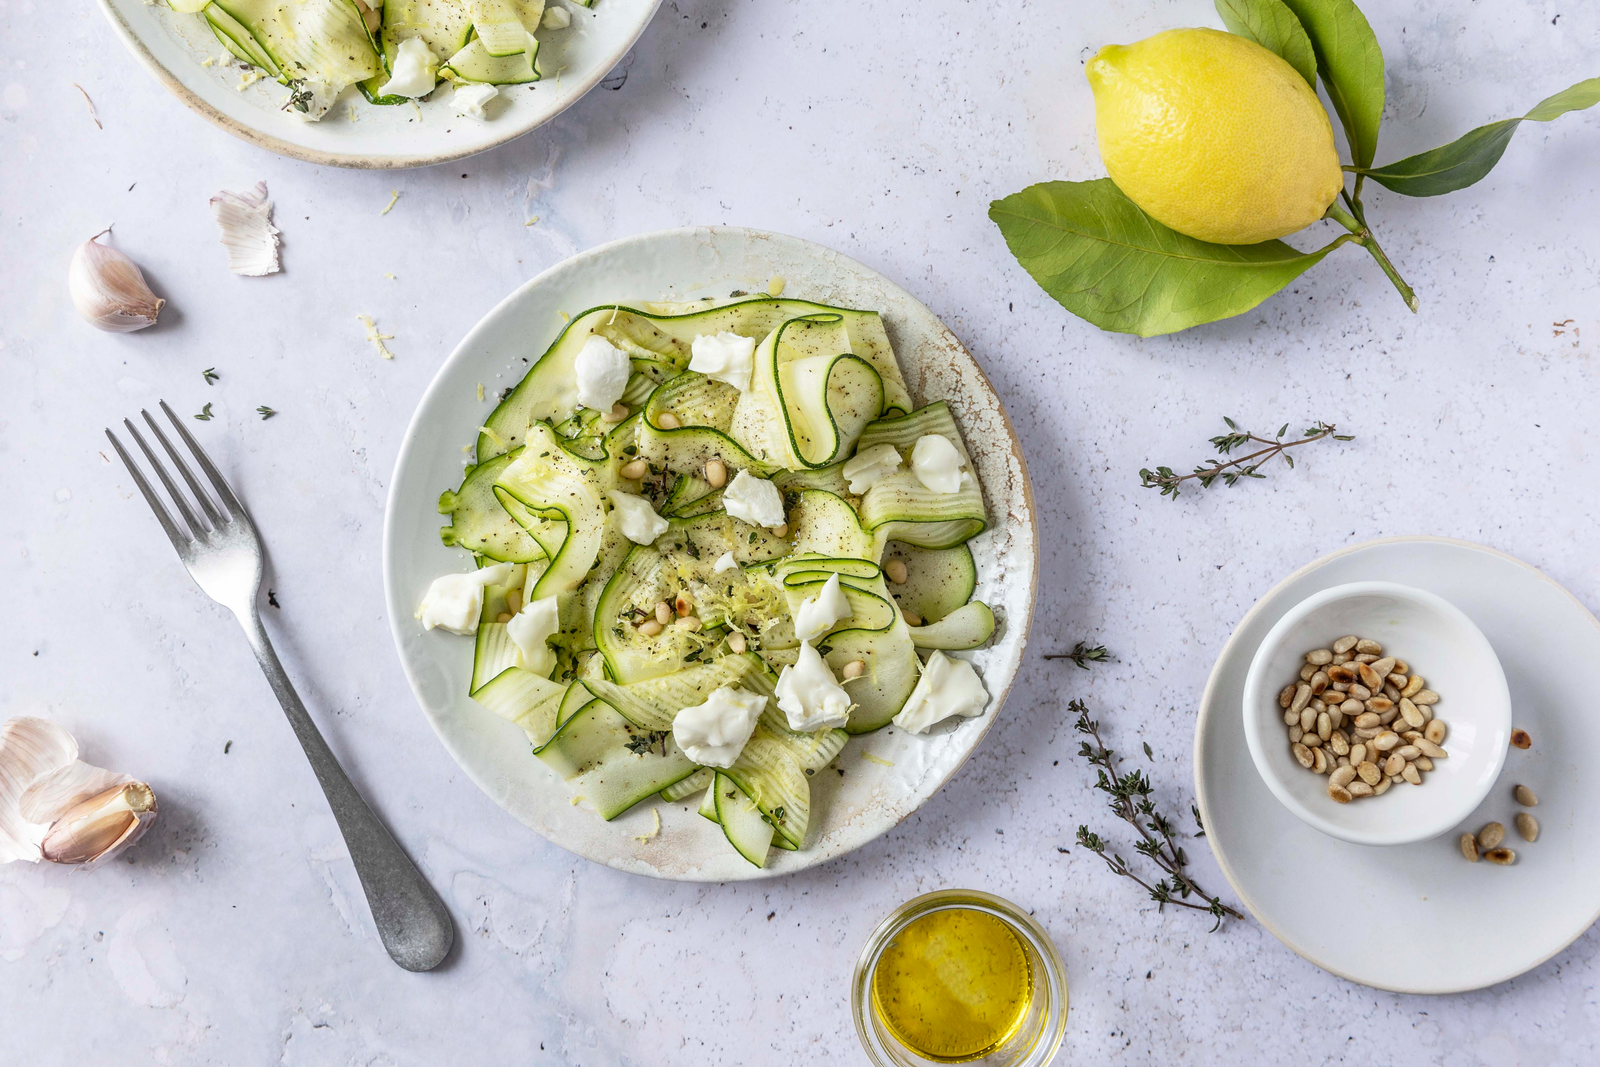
{"x":1463,"y":926}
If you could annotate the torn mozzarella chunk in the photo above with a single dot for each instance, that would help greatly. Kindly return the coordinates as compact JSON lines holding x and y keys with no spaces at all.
{"x":470,"y":97}
{"x":416,"y":70}
{"x":870,"y":466}
{"x":530,"y":629}
{"x":636,"y":519}
{"x":455,"y":601}
{"x":714,"y":733}
{"x":947,"y":687}
{"x":755,"y":500}
{"x":724,"y":357}
{"x":725,"y":563}
{"x":602,"y":370}
{"x":810,"y":696}
{"x":937,"y":463}
{"x":819,"y":614}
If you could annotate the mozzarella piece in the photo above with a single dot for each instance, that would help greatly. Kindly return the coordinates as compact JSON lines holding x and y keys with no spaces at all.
{"x":530,"y":629}
{"x":818,"y":614}
{"x":937,"y":463}
{"x":755,"y":500}
{"x":601,"y":370}
{"x":469,"y":98}
{"x":725,"y":563}
{"x":725,"y":357}
{"x":416,"y":70}
{"x":947,"y":687}
{"x":869,"y":467}
{"x":636,"y":519}
{"x":714,"y":733}
{"x":454,"y":602}
{"x":810,"y":696}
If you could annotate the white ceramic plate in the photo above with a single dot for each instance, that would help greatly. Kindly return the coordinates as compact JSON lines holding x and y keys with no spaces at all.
{"x":848,"y":810}
{"x":1465,"y":926}
{"x":358,"y":134}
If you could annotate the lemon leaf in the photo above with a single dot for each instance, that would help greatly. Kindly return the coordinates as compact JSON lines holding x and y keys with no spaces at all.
{"x":1351,"y":65}
{"x":1106,"y":261}
{"x":1270,"y":24}
{"x":1471,"y":156}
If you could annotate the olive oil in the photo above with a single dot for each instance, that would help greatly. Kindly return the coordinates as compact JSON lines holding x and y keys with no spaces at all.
{"x":953,"y":985}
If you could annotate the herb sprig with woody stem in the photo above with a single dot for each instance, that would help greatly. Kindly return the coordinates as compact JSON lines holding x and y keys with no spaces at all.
{"x":1248,"y":466}
{"x":1130,"y":802}
{"x":1082,"y":654}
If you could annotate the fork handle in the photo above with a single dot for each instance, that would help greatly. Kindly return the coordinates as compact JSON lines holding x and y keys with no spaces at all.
{"x":412,"y":921}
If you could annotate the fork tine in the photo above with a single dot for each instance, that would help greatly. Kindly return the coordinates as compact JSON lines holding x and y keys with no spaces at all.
{"x":196,"y":531}
{"x":183,"y":468}
{"x":218,"y":482}
{"x":179,"y":541}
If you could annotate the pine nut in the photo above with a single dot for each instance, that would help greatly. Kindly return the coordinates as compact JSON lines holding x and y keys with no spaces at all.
{"x":1423,"y":763}
{"x":1436,"y":731}
{"x":716,"y":473}
{"x":1401,"y":667}
{"x":1340,"y":746}
{"x":1387,"y":740}
{"x":1383,"y":667}
{"x":1394,"y":680}
{"x":1469,"y":848}
{"x":1320,"y":657}
{"x":503,"y":618}
{"x":1525,"y":796}
{"x":913,"y":619}
{"x":1491,"y":835}
{"x":1319,"y":683}
{"x":619,"y":412}
{"x":1306,"y":672}
{"x":668,"y":421}
{"x":689,"y":622}
{"x":1341,"y":657}
{"x":650,"y":627}
{"x":513,"y":601}
{"x":1394,"y":764}
{"x":1319,"y":761}
{"x":1382,"y":787}
{"x":1337,"y":716}
{"x":895,"y":571}
{"x":1424,"y":696}
{"x":1412,"y":687}
{"x":1431,"y":749}
{"x":1380,"y":704}
{"x":1295,"y":733}
{"x":1302,"y":755}
{"x":1369,"y":677}
{"x":682,"y":605}
{"x":1341,"y":675}
{"x":1527,"y":826}
{"x":634,"y":469}
{"x":1369,"y":648}
{"x":1369,"y":772}
{"x":781,"y":531}
{"x":1360,"y":789}
{"x":736,"y":642}
{"x":1411,"y":774}
{"x":1500,"y":857}
{"x":1387,"y":717}
{"x":1358,"y":753}
{"x":1391,"y":692}
{"x":1308,"y":719}
{"x":1324,"y":726}
{"x":1291,"y":718}
{"x":1285,"y":698}
{"x":1412,"y":713}
{"x":1345,"y":644}
{"x":663,"y":612}
{"x":854,"y":669}
{"x":1342,"y":776}
{"x":1317,"y":706}
{"x":1520,"y":739}
{"x":1408,"y":752}
{"x":1310,"y":739}
{"x":1359,"y":692}
{"x":1340,"y":794}
{"x":1366,"y":720}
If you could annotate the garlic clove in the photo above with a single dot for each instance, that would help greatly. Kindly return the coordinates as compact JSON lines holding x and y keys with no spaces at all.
{"x":29,"y":749}
{"x":109,"y":289}
{"x":248,"y":235}
{"x":101,"y":825}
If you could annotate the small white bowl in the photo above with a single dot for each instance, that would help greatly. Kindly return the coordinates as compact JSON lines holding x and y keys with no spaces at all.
{"x":1437,"y":641}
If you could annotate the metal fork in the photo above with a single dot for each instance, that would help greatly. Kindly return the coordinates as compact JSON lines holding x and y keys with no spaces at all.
{"x":223,"y":555}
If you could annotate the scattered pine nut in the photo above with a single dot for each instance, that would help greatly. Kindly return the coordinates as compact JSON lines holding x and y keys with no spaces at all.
{"x":854,"y":669}
{"x":663,"y":612}
{"x":689,"y":622}
{"x":781,"y":531}
{"x":1469,"y":848}
{"x":683,"y":605}
{"x":1527,"y":826}
{"x":736,"y":642}
{"x":913,"y":619}
{"x":668,"y":421}
{"x":513,"y":601}
{"x":1491,"y":835}
{"x":650,"y":627}
{"x":895,"y":571}
{"x":716,"y":473}
{"x":635,"y":469}
{"x":503,"y":618}
{"x":1502,"y":857}
{"x":1520,"y":739}
{"x":1525,"y":796}
{"x":619,"y":411}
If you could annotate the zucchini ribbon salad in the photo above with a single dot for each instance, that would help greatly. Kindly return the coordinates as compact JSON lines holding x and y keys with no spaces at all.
{"x":395,"y":50}
{"x":711,"y":541}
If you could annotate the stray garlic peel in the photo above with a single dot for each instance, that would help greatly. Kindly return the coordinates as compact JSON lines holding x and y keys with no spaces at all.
{"x":109,"y":290}
{"x":248,"y":235}
{"x":54,"y":806}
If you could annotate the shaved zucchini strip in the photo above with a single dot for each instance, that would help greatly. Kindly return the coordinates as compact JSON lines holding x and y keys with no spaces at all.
{"x":892,"y":672}
{"x":966,"y":627}
{"x":695,"y":783}
{"x":938,"y":581}
{"x":479,"y":521}
{"x":547,"y":479}
{"x":746,"y":828}
{"x":653,"y":704}
{"x":901,"y":508}
{"x":321,"y":44}
{"x":474,"y":62}
{"x":526,"y":699}
{"x":826,"y":525}
{"x":592,"y":751}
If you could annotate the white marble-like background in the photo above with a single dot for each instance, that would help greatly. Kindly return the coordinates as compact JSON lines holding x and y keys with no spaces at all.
{"x":235,"y":933}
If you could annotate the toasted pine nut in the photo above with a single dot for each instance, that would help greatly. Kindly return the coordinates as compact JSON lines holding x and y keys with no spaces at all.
{"x":1360,"y":789}
{"x":634,"y":469}
{"x":1520,"y":739}
{"x":663,"y":612}
{"x":1424,"y":696}
{"x":682,"y":605}
{"x":1382,"y":787}
{"x":1436,"y":731}
{"x":668,"y":421}
{"x":1366,"y":720}
{"x":1320,"y":657}
{"x":1411,"y":774}
{"x":1412,"y":687}
{"x":513,"y":601}
{"x":1339,"y":674}
{"x":1369,"y":677}
{"x":1340,"y":746}
{"x":716,"y":473}
{"x":1345,"y":644}
{"x":1525,"y":796}
{"x":1527,"y":826}
{"x":1491,"y":835}
{"x":1380,"y":704}
{"x":650,"y":627}
{"x":1358,"y":753}
{"x":1284,"y":698}
{"x":1319,"y":683}
{"x":854,"y":669}
{"x":895,"y":571}
{"x":1383,"y":666}
{"x":1387,"y":740}
{"x":1401,"y":667}
{"x":1501,"y":857}
{"x":1369,"y":648}
{"x":1340,"y":794}
{"x":619,"y":411}
{"x":1369,"y":772}
{"x":1394,"y":764}
{"x":1469,"y":848}
{"x":1342,"y":776}
{"x":503,"y":617}
{"x":736,"y":642}
{"x":781,"y":531}
{"x":1302,"y":755}
{"x":689,"y":622}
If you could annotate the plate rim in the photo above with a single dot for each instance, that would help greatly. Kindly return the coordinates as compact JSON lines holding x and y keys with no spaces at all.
{"x":413,"y":437}
{"x":353,"y":161}
{"x":1207,"y":699}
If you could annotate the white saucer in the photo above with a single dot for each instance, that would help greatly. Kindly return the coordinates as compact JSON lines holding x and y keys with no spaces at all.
{"x":1420,"y":918}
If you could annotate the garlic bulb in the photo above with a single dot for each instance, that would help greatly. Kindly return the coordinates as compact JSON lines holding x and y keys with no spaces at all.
{"x":248,"y":235}
{"x":108,"y":289}
{"x":53,"y":806}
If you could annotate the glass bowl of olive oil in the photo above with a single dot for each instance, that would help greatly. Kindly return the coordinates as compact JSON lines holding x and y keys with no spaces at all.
{"x":959,"y":976}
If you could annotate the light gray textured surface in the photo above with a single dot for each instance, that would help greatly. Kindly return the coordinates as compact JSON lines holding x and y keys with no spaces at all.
{"x":235,"y":933}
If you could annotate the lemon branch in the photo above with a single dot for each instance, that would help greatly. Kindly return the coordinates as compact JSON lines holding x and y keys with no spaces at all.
{"x":1363,"y":237}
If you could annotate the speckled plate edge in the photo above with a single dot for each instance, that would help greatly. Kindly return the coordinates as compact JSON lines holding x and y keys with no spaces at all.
{"x":1012,"y":513}
{"x":356,"y":161}
{"x":1206,"y":710}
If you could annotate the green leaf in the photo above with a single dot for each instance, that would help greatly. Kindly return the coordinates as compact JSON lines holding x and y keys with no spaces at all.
{"x":1106,"y":261}
{"x":1470,"y":157}
{"x":1351,"y":65}
{"x":1270,"y":24}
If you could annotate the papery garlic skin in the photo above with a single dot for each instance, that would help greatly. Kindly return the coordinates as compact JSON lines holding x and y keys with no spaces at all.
{"x":54,"y":806}
{"x":248,"y":235}
{"x":109,"y":289}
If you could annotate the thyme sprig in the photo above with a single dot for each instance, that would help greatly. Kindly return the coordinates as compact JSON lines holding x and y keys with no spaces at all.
{"x":1082,"y":654}
{"x":1248,"y":466}
{"x":1130,"y":802}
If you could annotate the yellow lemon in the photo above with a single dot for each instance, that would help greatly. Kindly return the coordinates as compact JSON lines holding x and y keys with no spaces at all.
{"x":1214,"y":135}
